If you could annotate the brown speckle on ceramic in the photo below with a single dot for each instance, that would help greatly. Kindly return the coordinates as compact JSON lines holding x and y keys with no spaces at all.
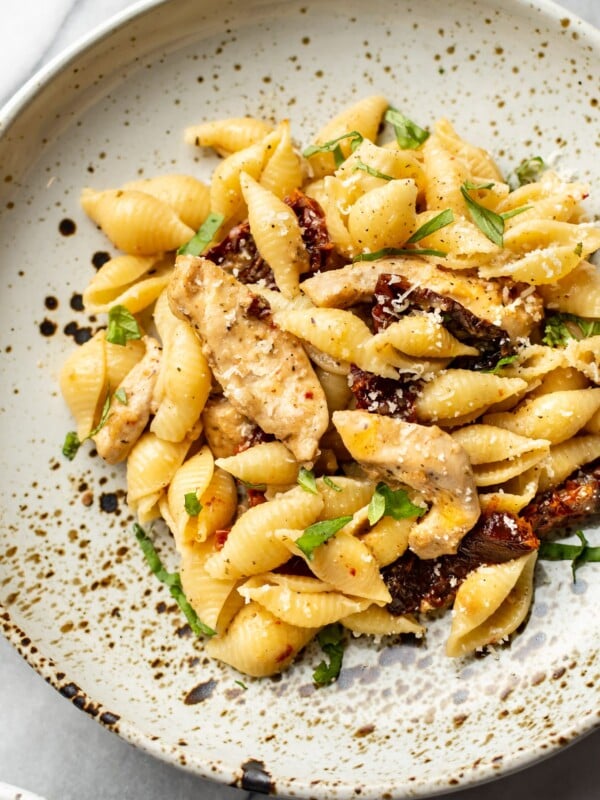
{"x":79,"y":602}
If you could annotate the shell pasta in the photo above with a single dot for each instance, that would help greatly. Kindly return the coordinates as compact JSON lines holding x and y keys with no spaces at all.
{"x":355,"y":381}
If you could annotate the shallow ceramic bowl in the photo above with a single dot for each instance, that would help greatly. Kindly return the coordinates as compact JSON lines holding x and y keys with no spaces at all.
{"x":79,"y":603}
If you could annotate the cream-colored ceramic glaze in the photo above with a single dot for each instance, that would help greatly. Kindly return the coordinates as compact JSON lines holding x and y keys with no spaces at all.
{"x":402,"y":721}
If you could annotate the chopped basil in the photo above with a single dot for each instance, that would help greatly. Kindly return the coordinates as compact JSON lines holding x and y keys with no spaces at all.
{"x":122,"y":326}
{"x":515,"y":212}
{"x":372,"y":171}
{"x":172,"y":580}
{"x":408,"y":134}
{"x":306,"y":479}
{"x":191,"y":504}
{"x":318,"y":533}
{"x":502,"y":362}
{"x":488,"y":222}
{"x":333,"y":146}
{"x":530,"y":170}
{"x":579,"y":249}
{"x":257,"y":487}
{"x":242,"y":685}
{"x":470,"y":185}
{"x":72,"y":442}
{"x":578,"y":554}
{"x":559,"y":328}
{"x":387,"y":502}
{"x":396,"y":251}
{"x":332,"y":485}
{"x":71,"y":445}
{"x":204,"y":236}
{"x":433,"y":225}
{"x":121,"y":396}
{"x":332,"y":642}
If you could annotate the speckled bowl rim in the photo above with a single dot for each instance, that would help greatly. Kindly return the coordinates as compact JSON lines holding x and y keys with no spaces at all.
{"x":65,"y":684}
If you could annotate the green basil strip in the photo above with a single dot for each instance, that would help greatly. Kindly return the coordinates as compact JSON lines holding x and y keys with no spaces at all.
{"x":172,"y":580}
{"x":408,"y":134}
{"x":488,"y":222}
{"x":192,"y":505}
{"x":306,"y":479}
{"x":332,"y":641}
{"x":121,"y":396}
{"x":561,"y":327}
{"x":332,"y":485}
{"x":577,"y":554}
{"x":433,"y":225}
{"x":530,"y":170}
{"x":318,"y":533}
{"x":122,"y":326}
{"x":470,"y":185}
{"x":71,"y":445}
{"x":72,"y":442}
{"x":204,"y":236}
{"x":372,"y":171}
{"x":395,"y":251}
{"x":515,"y":212}
{"x":394,"y":503}
{"x":333,"y":146}
{"x":502,"y":362}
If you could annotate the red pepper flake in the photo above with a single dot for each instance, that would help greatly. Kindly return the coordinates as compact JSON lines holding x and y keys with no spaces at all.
{"x":308,"y":395}
{"x":256,"y":497}
{"x":221,"y":538}
{"x":286,"y":652}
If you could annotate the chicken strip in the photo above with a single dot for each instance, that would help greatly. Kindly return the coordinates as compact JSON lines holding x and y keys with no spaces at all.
{"x":264,"y":371}
{"x":127,"y":420}
{"x":424,"y":458}
{"x":500,"y":303}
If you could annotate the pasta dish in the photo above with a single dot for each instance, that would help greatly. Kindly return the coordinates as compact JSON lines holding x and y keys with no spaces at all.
{"x":359,"y":383}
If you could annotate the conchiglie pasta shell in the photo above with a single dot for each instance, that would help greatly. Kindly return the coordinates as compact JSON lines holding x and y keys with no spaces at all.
{"x":384,"y":216}
{"x":227,"y":136}
{"x":456,"y":394}
{"x":283,"y":171}
{"x":121,"y":359}
{"x":377,"y":621}
{"x":277,"y":235}
{"x":566,"y":457}
{"x":393,"y":163}
{"x":445,"y":174}
{"x":136,"y":222}
{"x":206,"y":595}
{"x":266,"y":463}
{"x":490,"y":604}
{"x":194,"y":475}
{"x":477,"y":159}
{"x":305,"y":609}
{"x":577,"y":293}
{"x":257,"y":643}
{"x":187,"y":196}
{"x":250,"y":548}
{"x":353,"y":496}
{"x":219,"y":504}
{"x":555,"y":417}
{"x":332,"y":196}
{"x":388,"y":539}
{"x":462,"y":241}
{"x":422,"y":336}
{"x":125,"y":281}
{"x":83,"y":382}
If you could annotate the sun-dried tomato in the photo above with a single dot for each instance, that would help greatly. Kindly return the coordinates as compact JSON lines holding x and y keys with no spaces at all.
{"x":386,"y":396}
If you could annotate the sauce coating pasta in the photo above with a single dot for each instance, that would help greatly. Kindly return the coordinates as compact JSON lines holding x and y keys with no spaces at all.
{"x":355,"y":387}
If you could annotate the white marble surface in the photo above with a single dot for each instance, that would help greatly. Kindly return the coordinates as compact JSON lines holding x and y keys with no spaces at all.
{"x":46,"y":745}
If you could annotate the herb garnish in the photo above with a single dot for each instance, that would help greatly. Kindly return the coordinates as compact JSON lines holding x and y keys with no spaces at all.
{"x":332,"y":485}
{"x":318,"y":533}
{"x":408,"y":134}
{"x":396,"y":251}
{"x":72,"y":442}
{"x":331,"y":639}
{"x":488,"y":222}
{"x":121,"y":396}
{"x":433,"y":225}
{"x":387,"y":502}
{"x":172,"y":580}
{"x":502,"y":362}
{"x":578,"y":249}
{"x":242,"y":685}
{"x":333,"y":146}
{"x":578,"y":554}
{"x":515,"y":212}
{"x":306,"y":479}
{"x":530,"y":170}
{"x":122,"y":326}
{"x":203,"y":237}
{"x":561,"y":327}
{"x":192,"y":505}
{"x":372,"y":171}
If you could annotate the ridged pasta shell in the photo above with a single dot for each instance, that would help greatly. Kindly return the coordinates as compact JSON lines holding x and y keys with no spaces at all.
{"x":187,"y":196}
{"x":125,"y":281}
{"x":206,"y":595}
{"x":283,"y":171}
{"x":384,"y":216}
{"x":265,"y":463}
{"x":377,"y":621}
{"x":136,"y":222}
{"x":83,"y":382}
{"x":227,"y":136}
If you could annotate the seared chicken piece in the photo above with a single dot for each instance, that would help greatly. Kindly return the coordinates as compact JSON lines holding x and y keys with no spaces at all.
{"x":488,"y":300}
{"x":264,"y":371}
{"x":226,"y":430}
{"x":126,"y":421}
{"x":424,"y":458}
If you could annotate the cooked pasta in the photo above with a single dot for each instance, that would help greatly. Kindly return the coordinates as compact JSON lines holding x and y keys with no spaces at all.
{"x":341,"y":377}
